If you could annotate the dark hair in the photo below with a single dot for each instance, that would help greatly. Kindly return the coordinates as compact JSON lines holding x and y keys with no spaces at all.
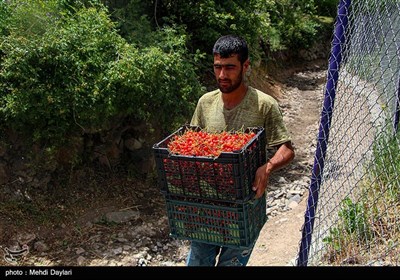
{"x":229,"y":45}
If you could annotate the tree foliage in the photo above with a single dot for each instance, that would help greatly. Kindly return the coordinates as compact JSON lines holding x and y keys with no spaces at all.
{"x":79,"y":74}
{"x":278,"y":25}
{"x":73,"y":67}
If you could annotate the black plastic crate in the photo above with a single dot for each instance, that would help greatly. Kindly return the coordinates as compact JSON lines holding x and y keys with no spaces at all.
{"x":235,"y":225}
{"x":228,"y":177}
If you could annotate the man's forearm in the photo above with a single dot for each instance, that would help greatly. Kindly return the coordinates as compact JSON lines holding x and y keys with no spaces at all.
{"x":282,"y":157}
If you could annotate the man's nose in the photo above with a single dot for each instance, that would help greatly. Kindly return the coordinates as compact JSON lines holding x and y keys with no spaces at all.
{"x":222,"y":73}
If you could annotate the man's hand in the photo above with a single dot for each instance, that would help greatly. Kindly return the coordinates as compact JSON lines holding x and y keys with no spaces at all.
{"x":282,"y":157}
{"x":261,"y":180}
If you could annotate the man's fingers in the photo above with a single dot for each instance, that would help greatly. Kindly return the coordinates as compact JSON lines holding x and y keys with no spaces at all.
{"x":256,"y":186}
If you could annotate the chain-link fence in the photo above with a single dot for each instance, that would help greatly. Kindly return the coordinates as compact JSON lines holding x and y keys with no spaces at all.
{"x":353,"y":211}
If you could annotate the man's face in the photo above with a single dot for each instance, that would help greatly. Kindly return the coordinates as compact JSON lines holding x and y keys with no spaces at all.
{"x":229,"y":72}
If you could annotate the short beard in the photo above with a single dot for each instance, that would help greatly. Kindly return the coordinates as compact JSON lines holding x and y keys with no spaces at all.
{"x":234,"y":86}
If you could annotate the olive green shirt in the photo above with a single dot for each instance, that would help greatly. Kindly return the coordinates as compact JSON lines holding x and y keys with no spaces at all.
{"x":257,"y":109}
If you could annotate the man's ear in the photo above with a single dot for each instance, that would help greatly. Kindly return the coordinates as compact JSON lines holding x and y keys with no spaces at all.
{"x":246,"y":66}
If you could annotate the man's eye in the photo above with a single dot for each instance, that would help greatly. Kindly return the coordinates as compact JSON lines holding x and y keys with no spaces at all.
{"x":225,"y":67}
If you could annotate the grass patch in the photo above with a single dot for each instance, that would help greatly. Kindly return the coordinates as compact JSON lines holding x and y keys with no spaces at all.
{"x":368,"y":229}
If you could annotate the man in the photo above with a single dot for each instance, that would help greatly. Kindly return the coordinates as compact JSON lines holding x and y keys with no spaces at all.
{"x":234,"y":106}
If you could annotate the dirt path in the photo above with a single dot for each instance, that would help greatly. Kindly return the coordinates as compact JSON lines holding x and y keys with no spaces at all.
{"x":278,"y":243}
{"x":302,"y":96}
